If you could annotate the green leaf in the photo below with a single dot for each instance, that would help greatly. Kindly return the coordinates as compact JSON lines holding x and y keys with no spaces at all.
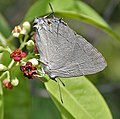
{"x":81,"y":100}
{"x":2,"y":40}
{"x":5,"y":55}
{"x":4,"y":27}
{"x":1,"y":101}
{"x":70,"y":9}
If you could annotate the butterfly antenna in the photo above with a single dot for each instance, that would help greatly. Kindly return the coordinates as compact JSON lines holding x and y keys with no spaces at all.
{"x":50,"y":13}
{"x":51,"y":10}
{"x":60,"y":91}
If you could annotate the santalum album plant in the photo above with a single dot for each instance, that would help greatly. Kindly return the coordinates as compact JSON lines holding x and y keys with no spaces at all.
{"x":28,"y":62}
{"x":29,"y":65}
{"x":81,"y":98}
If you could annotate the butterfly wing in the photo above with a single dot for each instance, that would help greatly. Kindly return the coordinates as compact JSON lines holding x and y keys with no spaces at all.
{"x":85,"y":59}
{"x":54,"y":45}
{"x":65,"y":53}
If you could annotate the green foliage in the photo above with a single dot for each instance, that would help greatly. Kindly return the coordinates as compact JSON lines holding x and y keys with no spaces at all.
{"x":1,"y":102}
{"x":81,"y":100}
{"x":44,"y":108}
{"x":85,"y":107}
{"x":4,"y":27}
{"x":16,"y":102}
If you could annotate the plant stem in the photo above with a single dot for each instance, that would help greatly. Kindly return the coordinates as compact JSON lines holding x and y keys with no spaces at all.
{"x":5,"y":75}
{"x":24,"y":42}
{"x":1,"y":102}
{"x":12,"y":63}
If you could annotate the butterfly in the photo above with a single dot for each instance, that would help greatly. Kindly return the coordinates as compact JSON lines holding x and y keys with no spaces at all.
{"x":64,"y":53}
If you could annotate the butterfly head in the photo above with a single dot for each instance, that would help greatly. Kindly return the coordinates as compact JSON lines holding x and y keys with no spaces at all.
{"x":38,"y":22}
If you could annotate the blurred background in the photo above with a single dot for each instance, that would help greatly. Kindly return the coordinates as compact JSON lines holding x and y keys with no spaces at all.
{"x":107,"y":81}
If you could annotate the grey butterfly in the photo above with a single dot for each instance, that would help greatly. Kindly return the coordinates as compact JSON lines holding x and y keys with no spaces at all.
{"x":64,"y":53}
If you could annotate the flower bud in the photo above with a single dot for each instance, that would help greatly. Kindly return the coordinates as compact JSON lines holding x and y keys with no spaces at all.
{"x":26,"y":26}
{"x":15,"y":82}
{"x":23,"y":31}
{"x":3,"y":67}
{"x":30,"y":45}
{"x":18,"y":30}
{"x":1,"y":49}
{"x":34,"y":61}
{"x":7,"y":84}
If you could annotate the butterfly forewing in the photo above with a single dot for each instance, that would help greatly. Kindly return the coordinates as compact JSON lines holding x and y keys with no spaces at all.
{"x":55,"y":46}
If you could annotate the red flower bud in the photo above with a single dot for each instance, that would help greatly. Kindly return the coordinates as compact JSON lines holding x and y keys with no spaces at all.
{"x":7,"y":84}
{"x":17,"y":55}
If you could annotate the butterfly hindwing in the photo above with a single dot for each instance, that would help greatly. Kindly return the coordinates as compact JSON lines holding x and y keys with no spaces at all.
{"x":85,"y":60}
